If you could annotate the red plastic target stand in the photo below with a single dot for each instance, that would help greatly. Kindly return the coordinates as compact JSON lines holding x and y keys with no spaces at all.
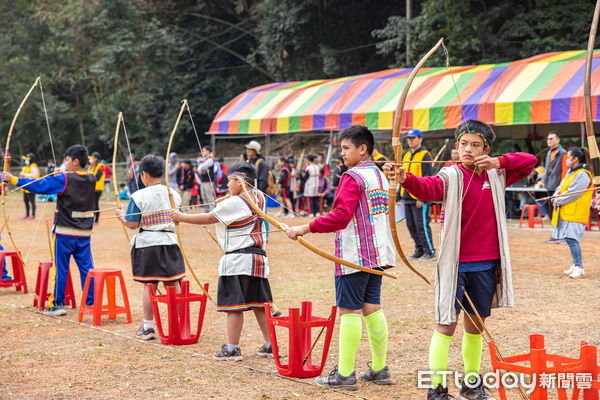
{"x":300,"y":325}
{"x":178,"y":314}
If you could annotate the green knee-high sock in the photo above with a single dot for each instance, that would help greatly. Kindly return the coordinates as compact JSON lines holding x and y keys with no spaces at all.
{"x":438,"y":356}
{"x":350,"y":334}
{"x":377,"y":329}
{"x":472,"y":348}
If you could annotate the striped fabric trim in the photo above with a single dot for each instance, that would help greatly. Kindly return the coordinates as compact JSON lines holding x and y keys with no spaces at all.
{"x":63,"y":230}
{"x":159,"y":278}
{"x":81,"y":214}
{"x":240,"y":307}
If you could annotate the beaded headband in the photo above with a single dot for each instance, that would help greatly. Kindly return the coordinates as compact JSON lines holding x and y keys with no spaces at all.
{"x":481,"y":135}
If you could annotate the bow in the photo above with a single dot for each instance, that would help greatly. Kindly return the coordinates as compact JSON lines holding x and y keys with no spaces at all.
{"x":305,"y":243}
{"x":114,"y":168}
{"x":397,"y":147}
{"x":172,"y":201}
{"x":7,"y":165}
{"x":587,"y":100}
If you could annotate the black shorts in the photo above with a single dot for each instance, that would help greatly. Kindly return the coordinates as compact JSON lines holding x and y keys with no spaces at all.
{"x":481,"y":287}
{"x":157,"y":264}
{"x":352,"y":291}
{"x":285,"y":192}
{"x":242,"y":292}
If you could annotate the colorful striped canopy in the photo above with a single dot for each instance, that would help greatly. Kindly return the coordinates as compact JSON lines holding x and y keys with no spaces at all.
{"x":547,"y":88}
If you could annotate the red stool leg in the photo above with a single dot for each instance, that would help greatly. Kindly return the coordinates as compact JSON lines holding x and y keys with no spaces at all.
{"x":125,"y":297}
{"x":86,"y":288}
{"x":110,"y":295}
{"x":98,"y":294}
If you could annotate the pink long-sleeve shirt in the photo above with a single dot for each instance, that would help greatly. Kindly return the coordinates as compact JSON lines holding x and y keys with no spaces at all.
{"x":479,"y":232}
{"x":344,"y":205}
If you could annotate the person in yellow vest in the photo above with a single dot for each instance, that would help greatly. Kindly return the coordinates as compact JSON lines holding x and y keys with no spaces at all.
{"x":30,"y":170}
{"x":417,"y":211}
{"x":96,"y":168}
{"x":573,"y":211}
{"x":377,"y":156}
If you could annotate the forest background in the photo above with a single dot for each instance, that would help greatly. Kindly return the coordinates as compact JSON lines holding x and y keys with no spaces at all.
{"x":98,"y":57}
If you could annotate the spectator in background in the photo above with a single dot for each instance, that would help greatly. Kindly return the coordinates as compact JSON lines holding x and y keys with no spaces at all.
{"x":321,"y":164}
{"x":337,"y":174}
{"x":206,"y":173}
{"x":417,"y":211}
{"x":311,"y":186}
{"x":293,"y":183}
{"x":222,"y":181}
{"x":454,"y":158}
{"x":258,"y":161}
{"x":96,"y":168}
{"x":172,"y":170}
{"x":132,"y":167}
{"x":284,"y":181}
{"x":380,"y":158}
{"x":185,"y":181}
{"x":324,"y":193}
{"x":30,"y":170}
{"x":124,"y":192}
{"x":556,"y":169}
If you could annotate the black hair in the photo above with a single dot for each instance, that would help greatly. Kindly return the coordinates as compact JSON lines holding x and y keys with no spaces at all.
{"x":310,"y":158}
{"x":291,"y":160}
{"x":207,"y":148}
{"x":285,"y":160}
{"x":473,"y":125}
{"x":78,"y":152}
{"x":122,"y":185}
{"x":153,"y":165}
{"x":245,"y":169}
{"x":554,"y":133}
{"x":359,"y":135}
{"x":96,"y":155}
{"x":579,"y":154}
{"x":321,"y":154}
{"x":220,"y":159}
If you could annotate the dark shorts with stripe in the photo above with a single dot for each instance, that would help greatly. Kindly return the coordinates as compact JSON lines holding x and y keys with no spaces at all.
{"x":157,"y":264}
{"x":242,"y":292}
{"x":481,"y":287}
{"x":352,"y":291}
{"x":285,"y":192}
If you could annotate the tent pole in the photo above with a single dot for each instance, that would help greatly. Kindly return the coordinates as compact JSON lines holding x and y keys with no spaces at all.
{"x":582,"y":134}
{"x":329,"y":148}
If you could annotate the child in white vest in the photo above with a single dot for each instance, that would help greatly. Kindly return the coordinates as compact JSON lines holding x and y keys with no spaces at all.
{"x":360,"y":219}
{"x":474,"y":255}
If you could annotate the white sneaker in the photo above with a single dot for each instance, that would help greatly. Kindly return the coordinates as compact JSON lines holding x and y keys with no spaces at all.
{"x":569,"y":271}
{"x":579,"y":273}
{"x":279,"y":214}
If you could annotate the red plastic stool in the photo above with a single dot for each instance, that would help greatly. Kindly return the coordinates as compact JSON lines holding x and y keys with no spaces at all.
{"x":178,"y":314}
{"x":19,"y":281}
{"x":533,"y":211}
{"x":543,"y":364}
{"x":41,"y":287}
{"x":111,"y":309}
{"x":300,"y":340}
{"x":591,"y":222}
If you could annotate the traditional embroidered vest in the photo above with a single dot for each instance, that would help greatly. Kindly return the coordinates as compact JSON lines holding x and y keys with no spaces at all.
{"x":415,"y":168}
{"x":366,"y":240}
{"x":99,"y":182}
{"x":578,"y":210}
{"x":148,"y":200}
{"x":75,"y":199}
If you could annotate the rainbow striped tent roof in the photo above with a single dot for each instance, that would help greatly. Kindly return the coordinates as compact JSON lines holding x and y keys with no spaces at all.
{"x":546,"y":88}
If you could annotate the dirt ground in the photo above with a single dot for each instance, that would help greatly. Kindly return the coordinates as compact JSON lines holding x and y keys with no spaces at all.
{"x":57,"y":358}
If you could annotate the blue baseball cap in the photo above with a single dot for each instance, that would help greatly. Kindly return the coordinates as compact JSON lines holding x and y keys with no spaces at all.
{"x":414,"y":133}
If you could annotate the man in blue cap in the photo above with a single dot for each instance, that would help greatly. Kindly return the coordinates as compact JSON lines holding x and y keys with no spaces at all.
{"x":417,"y":211}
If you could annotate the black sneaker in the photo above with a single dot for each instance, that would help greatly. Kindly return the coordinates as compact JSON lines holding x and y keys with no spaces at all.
{"x":276,"y":314}
{"x":474,"y":393}
{"x":427,"y":257}
{"x":381,"y":377}
{"x":265,"y":351}
{"x":416,"y":254}
{"x":335,"y":380}
{"x":145,"y":334}
{"x":439,"y":393}
{"x":56,"y":311}
{"x":228,"y":355}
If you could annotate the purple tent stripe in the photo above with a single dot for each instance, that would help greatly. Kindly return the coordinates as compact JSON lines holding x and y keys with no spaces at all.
{"x":234,"y":110}
{"x":363,"y":95}
{"x":345,"y":120}
{"x":223,"y":126}
{"x":318,"y":122}
{"x":271,"y":87}
{"x":482,"y":90}
{"x":470,"y":111}
{"x":403,"y":71}
{"x":324,"y":109}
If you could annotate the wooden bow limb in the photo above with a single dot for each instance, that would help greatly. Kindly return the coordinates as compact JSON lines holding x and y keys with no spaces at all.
{"x":568,"y":193}
{"x":114,"y":170}
{"x":397,"y":147}
{"x":587,"y":100}
{"x":172,"y":202}
{"x":7,"y":165}
{"x":305,"y":243}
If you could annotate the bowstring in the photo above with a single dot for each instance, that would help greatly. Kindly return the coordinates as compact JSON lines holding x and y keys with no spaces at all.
{"x":135,"y":176}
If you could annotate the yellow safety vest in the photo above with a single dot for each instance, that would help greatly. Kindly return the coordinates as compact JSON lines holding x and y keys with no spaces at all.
{"x":100,"y":181}
{"x":415,"y":168}
{"x":27,"y":170}
{"x":578,"y":210}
